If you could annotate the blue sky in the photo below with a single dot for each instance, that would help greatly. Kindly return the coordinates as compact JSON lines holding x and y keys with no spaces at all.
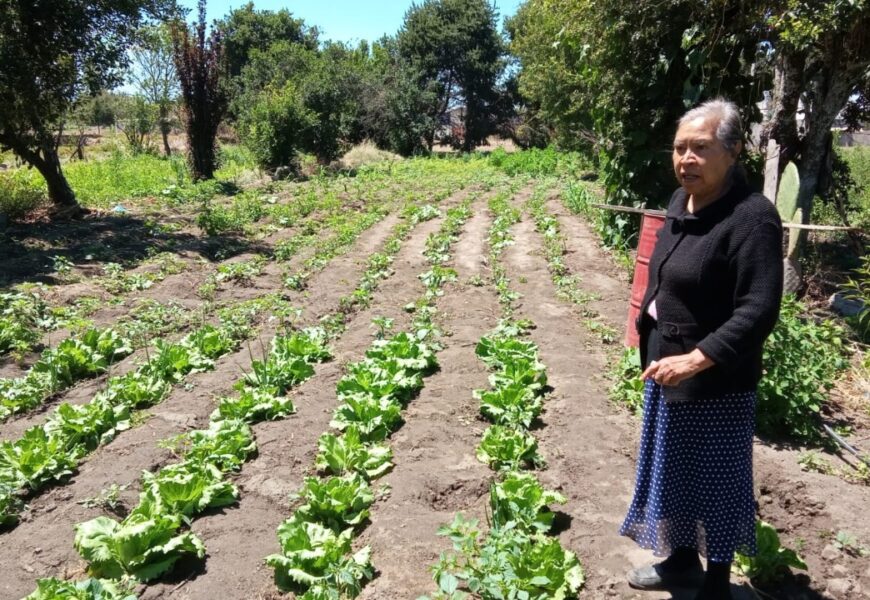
{"x":342,"y":20}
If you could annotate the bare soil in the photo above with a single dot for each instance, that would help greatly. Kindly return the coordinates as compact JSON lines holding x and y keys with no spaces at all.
{"x":589,"y":444}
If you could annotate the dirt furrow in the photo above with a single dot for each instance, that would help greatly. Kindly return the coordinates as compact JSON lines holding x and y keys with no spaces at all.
{"x":588,"y":447}
{"x":436,"y":472}
{"x":180,"y":288}
{"x":240,"y":537}
{"x":42,"y":544}
{"x":597,"y":272}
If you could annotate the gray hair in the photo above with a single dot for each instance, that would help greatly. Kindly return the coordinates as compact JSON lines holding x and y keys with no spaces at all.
{"x":729,"y":131}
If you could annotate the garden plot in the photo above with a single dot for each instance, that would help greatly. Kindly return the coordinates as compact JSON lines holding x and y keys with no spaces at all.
{"x":366,"y":269}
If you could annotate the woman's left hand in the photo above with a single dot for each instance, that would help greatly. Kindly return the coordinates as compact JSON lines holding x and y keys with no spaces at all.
{"x":671,"y":370}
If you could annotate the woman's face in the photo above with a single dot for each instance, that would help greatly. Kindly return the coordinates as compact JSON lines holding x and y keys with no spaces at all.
{"x":701,"y":162}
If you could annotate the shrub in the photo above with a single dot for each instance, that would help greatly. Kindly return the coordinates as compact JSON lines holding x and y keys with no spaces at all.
{"x":802,"y":359}
{"x":275,"y":126}
{"x":21,"y":192}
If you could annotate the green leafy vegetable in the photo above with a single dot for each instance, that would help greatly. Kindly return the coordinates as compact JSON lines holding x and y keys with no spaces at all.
{"x":141,"y":546}
{"x":771,"y":559}
{"x":508,"y":448}
{"x":226,"y":444}
{"x":337,"y":502}
{"x":254,"y":405}
{"x":513,"y":405}
{"x":508,"y":563}
{"x":186,"y":488}
{"x":35,"y":459}
{"x":88,"y":589}
{"x":375,"y":419}
{"x":520,"y":501}
{"x":317,"y":559}
{"x":348,"y":454}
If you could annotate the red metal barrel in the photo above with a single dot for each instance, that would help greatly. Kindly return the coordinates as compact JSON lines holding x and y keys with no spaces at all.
{"x":649,"y":227}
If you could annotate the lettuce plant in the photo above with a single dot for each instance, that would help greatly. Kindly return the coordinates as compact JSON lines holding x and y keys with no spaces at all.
{"x":186,"y":488}
{"x":35,"y":459}
{"x":337,"y":502}
{"x":319,"y":560}
{"x":506,"y":563}
{"x":86,"y":589}
{"x":227,"y":444}
{"x":512,"y":405}
{"x":520,"y":501}
{"x":141,"y":546}
{"x":507,"y":448}
{"x":88,"y":425}
{"x":375,"y":419}
{"x":348,"y":454}
{"x":253,"y":405}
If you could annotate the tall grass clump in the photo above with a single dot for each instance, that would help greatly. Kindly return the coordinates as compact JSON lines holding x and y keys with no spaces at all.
{"x":537,"y":162}
{"x":21,"y":191}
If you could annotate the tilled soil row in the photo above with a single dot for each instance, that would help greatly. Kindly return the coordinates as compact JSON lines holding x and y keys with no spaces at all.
{"x":436,"y":472}
{"x":239,"y":538}
{"x":41,"y":545}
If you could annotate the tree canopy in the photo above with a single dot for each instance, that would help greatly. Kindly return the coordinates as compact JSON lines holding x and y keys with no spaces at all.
{"x":52,"y":53}
{"x":456,"y":48}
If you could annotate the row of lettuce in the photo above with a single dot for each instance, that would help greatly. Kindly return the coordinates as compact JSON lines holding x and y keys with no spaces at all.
{"x":514,"y":558}
{"x":317,"y":559}
{"x":152,"y":537}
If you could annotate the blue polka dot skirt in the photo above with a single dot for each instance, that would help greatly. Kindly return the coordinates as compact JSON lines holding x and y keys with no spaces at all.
{"x":694,"y":476}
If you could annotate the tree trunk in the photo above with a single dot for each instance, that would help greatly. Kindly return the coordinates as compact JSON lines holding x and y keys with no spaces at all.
{"x":165,"y":128}
{"x":787,"y":87}
{"x":48,"y":165}
{"x":59,"y":191}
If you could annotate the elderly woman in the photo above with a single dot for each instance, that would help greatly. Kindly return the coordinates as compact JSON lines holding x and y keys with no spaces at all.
{"x":715,"y":286}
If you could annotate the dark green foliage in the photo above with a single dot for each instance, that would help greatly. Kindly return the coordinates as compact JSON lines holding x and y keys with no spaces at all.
{"x":198,"y":63}
{"x":612,"y":78}
{"x":455,"y":45}
{"x":245,"y":31}
{"x":802,"y":358}
{"x":275,"y":126}
{"x":397,"y":110}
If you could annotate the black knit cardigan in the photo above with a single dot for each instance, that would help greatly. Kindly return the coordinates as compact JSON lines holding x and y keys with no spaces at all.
{"x":716,"y":276}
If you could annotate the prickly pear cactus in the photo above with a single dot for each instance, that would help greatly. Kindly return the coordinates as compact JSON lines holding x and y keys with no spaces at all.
{"x":787,"y":196}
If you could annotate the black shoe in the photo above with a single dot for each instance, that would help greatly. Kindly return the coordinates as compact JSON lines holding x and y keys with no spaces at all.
{"x":654,"y":577}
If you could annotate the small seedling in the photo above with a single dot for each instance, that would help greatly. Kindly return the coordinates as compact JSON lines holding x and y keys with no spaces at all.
{"x":384,"y":324}
{"x":848,"y":543}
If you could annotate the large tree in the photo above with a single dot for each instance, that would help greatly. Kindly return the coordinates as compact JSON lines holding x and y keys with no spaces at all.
{"x":154,"y":75}
{"x":821,"y":63}
{"x":198,"y":60}
{"x":455,"y":45}
{"x":612,"y":78}
{"x":52,"y":53}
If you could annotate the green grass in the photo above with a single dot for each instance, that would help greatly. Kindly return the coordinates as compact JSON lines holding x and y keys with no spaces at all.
{"x":858,"y":159}
{"x":115,"y":178}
